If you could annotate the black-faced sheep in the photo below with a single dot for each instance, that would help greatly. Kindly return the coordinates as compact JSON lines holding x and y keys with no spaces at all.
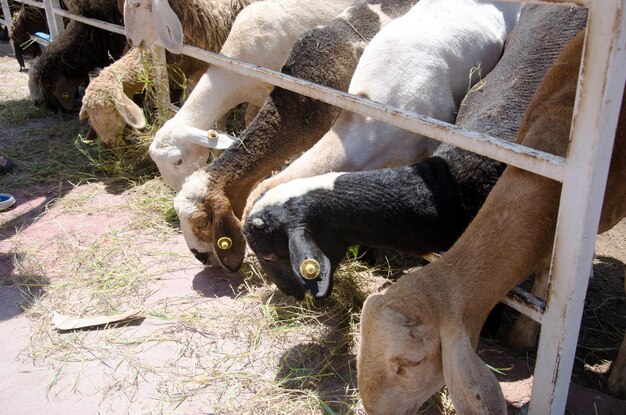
{"x":421,"y":208}
{"x":54,"y":77}
{"x":422,"y":332}
{"x":212,"y":199}
{"x":263,"y":34}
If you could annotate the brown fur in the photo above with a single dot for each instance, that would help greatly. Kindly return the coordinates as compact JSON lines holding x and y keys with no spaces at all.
{"x":77,"y":51}
{"x":518,"y":217}
{"x":27,"y":21}
{"x":290,"y":123}
{"x":126,"y":76}
{"x":206,"y":23}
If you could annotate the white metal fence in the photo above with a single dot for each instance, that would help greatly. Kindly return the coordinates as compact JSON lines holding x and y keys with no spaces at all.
{"x":583,"y":172}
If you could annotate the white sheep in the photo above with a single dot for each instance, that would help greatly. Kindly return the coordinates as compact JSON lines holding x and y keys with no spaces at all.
{"x":422,"y":332}
{"x":422,"y":62}
{"x":263,"y":34}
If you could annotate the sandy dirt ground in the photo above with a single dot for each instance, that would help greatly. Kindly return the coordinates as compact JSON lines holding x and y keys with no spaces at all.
{"x":208,"y":342}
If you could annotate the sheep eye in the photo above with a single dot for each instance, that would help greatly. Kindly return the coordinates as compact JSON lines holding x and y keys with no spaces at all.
{"x":271,"y":258}
{"x":203,"y":225}
{"x":66,"y":96}
{"x":258,"y":223}
{"x":178,"y":162}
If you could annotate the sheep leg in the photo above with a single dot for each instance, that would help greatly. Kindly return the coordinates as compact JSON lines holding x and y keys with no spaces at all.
{"x":19,"y":56}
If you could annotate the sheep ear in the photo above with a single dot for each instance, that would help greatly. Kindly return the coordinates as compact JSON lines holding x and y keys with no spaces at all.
{"x":84,"y":114}
{"x":473,"y":387}
{"x":130,"y":112}
{"x":168,"y":26}
{"x":303,"y":248}
{"x":219,"y":141}
{"x":228,"y":239}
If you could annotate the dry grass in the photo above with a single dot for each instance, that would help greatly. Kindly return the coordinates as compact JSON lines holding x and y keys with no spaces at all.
{"x":259,"y":352}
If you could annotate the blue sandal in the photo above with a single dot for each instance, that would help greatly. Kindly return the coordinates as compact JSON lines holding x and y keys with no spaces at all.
{"x":6,"y":201}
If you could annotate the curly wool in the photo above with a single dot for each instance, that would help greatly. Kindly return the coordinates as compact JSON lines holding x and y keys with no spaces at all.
{"x":197,"y":16}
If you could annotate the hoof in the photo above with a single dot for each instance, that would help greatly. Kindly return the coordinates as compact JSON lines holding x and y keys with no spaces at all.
{"x":524,"y":334}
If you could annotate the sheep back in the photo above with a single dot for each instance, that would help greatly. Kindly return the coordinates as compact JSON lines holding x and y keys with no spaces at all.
{"x":206,"y":23}
{"x":497,"y":104}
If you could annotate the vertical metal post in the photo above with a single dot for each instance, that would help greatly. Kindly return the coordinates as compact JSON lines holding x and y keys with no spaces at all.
{"x":8,"y":19}
{"x":593,"y":129}
{"x":55,"y":23}
{"x":7,"y":12}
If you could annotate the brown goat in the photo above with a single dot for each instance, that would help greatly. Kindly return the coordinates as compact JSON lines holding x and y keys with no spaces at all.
{"x":422,"y":332}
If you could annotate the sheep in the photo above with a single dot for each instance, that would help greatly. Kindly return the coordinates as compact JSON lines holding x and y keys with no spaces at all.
{"x":54,"y":77}
{"x":262,"y":34}
{"x":421,"y":208}
{"x":27,"y":21}
{"x":419,"y":63}
{"x":422,"y":332}
{"x":211,"y":200}
{"x":108,"y":104}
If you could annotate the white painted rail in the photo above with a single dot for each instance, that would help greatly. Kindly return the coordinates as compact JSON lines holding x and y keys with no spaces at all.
{"x":6,"y":12}
{"x":583,"y":173}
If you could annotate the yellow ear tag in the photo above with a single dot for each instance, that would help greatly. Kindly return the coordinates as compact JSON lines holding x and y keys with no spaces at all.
{"x":310,"y":269}
{"x":224,"y":243}
{"x":212,"y":134}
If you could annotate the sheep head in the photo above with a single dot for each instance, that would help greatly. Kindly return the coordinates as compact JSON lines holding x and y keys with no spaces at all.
{"x":58,"y":93}
{"x":178,"y":150}
{"x":410,"y":347}
{"x":211,"y":229}
{"x":295,"y":250}
{"x":294,"y":258}
{"x":148,"y":20}
{"x":109,"y":118}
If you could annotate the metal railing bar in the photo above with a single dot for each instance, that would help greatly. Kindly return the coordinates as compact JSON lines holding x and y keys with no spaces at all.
{"x":92,"y":22}
{"x":32,"y":3}
{"x":526,"y":303}
{"x":539,"y":162}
